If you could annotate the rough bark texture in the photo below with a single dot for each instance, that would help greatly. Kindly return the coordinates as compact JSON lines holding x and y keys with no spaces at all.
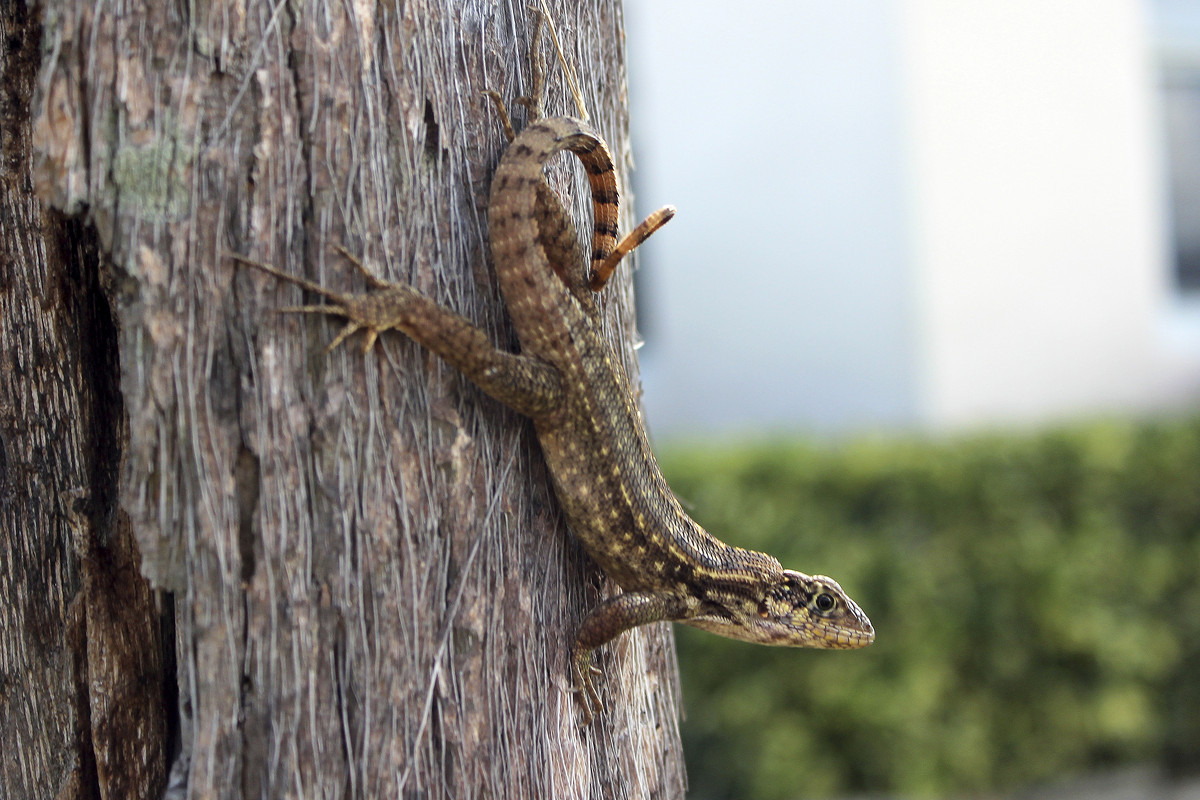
{"x":355,"y":562}
{"x":85,"y":684}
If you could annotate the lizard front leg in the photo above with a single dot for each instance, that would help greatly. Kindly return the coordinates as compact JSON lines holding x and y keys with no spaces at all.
{"x":528,"y":385}
{"x":608,"y":621}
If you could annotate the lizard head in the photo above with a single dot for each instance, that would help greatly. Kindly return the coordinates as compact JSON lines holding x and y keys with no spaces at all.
{"x":795,"y":610}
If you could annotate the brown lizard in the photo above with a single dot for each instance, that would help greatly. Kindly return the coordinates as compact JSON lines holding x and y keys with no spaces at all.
{"x":569,"y":381}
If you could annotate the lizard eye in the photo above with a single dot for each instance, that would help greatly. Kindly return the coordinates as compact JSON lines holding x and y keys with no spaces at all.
{"x":824,"y":602}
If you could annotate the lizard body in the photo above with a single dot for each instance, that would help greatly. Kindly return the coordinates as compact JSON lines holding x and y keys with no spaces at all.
{"x":569,"y":381}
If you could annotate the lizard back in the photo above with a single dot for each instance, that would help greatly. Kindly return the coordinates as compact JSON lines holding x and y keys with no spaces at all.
{"x":615,"y":498}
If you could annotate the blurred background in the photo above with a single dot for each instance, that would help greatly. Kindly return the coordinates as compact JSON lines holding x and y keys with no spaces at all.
{"x":928,"y":321}
{"x":917,"y":213}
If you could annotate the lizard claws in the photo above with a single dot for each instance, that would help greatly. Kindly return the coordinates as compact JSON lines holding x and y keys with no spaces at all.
{"x":585,"y":686}
{"x":375,"y":282}
{"x":356,"y":308}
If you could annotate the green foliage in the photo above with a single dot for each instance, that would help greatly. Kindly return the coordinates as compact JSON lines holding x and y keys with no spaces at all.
{"x":1036,"y":603}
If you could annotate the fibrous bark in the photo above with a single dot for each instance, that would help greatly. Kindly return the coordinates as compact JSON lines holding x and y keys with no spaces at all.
{"x":349,"y":568}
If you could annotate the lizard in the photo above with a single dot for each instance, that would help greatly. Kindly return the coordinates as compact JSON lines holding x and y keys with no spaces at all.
{"x":569,"y":381}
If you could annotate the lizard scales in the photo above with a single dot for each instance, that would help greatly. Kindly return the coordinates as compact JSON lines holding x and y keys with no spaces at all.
{"x":615,"y":498}
{"x":606,"y":476}
{"x":569,"y":381}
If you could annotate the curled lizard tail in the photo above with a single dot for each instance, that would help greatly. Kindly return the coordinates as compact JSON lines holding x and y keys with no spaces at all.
{"x":523,"y":267}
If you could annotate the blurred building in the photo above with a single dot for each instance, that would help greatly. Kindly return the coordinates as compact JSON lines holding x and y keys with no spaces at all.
{"x":917,"y":213}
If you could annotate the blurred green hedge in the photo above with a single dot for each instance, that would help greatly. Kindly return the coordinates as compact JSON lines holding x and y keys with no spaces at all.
{"x":1036,"y":601}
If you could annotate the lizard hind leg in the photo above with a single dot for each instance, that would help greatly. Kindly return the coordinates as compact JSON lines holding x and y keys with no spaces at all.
{"x":375,"y":282}
{"x":533,"y":101}
{"x":303,"y":283}
{"x":345,"y":333}
{"x":355,"y":308}
{"x":502,"y":111}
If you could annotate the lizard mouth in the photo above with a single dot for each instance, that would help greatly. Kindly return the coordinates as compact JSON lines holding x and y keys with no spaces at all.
{"x":839,"y":638}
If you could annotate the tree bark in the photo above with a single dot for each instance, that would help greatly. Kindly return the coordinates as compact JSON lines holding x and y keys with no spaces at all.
{"x":226,"y":555}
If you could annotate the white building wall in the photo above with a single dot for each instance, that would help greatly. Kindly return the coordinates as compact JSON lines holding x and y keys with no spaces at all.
{"x":778,"y":297}
{"x":1036,"y":209}
{"x":904,"y":213}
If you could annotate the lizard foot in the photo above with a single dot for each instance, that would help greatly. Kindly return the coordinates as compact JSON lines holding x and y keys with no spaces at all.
{"x":373,"y":312}
{"x":584,"y":671}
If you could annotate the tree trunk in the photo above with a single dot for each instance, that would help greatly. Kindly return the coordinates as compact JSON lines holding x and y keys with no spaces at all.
{"x":226,"y":555}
